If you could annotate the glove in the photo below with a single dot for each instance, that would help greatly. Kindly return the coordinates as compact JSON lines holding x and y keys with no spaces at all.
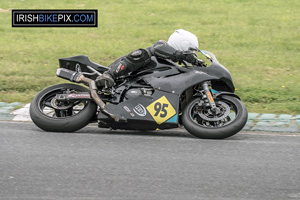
{"x":200,"y":63}
{"x":188,"y":56}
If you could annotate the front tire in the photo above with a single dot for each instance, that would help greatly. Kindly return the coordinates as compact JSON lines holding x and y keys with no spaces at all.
{"x":201,"y":123}
{"x":63,"y":117}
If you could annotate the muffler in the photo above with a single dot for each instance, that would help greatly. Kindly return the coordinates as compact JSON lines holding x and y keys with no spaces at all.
{"x":67,"y":74}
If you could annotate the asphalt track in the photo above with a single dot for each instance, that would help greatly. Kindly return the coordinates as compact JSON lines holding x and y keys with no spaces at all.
{"x":102,"y":164}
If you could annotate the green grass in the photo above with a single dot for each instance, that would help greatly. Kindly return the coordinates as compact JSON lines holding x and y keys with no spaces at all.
{"x":258,"y":41}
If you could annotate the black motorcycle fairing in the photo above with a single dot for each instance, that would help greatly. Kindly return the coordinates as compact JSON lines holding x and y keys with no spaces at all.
{"x":144,"y":113}
{"x":169,"y":76}
{"x":218,"y":70}
{"x":71,"y":62}
{"x":177,"y":84}
{"x":224,"y":80}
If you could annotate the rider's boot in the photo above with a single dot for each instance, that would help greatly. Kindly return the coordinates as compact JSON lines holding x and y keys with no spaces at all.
{"x":105,"y":80}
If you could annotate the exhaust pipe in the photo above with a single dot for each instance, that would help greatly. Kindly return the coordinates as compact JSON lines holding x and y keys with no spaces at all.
{"x":79,"y":78}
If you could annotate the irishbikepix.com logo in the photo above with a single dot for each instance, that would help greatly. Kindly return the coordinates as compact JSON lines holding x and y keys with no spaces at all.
{"x":54,"y":18}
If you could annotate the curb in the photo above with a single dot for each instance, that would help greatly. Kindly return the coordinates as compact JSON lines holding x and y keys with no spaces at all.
{"x":22,"y":114}
{"x":10,"y":111}
{"x":256,"y":121}
{"x":273,"y":123}
{"x":6,"y":110}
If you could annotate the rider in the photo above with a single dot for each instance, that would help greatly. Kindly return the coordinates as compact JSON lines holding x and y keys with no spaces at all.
{"x":176,"y":49}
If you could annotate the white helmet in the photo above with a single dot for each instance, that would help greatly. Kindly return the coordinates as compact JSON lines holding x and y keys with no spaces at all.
{"x":182,"y":40}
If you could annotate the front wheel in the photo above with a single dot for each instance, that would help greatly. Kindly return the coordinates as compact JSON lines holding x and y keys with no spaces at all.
{"x":50,"y":114}
{"x":230,"y":118}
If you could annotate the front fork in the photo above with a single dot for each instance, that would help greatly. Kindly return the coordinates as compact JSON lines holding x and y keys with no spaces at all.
{"x":208,"y":97}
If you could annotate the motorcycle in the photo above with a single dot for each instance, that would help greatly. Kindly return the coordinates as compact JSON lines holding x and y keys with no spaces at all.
{"x":199,"y":98}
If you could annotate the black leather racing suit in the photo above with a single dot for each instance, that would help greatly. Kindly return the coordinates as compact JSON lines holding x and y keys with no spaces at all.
{"x":142,"y":57}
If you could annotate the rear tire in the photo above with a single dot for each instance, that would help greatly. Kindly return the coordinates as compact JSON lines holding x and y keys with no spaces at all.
{"x":69,"y":117}
{"x":205,"y":128}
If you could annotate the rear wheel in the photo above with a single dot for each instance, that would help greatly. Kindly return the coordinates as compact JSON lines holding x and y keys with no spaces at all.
{"x":53,"y":115}
{"x":230,"y":117}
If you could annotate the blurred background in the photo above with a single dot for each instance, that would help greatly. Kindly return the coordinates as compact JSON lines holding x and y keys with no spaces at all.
{"x":258,"y":41}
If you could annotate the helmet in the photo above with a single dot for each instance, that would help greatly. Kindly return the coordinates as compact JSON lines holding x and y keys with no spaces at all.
{"x":182,"y":40}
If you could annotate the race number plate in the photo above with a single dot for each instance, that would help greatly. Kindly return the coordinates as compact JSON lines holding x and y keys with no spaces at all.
{"x":161,"y":110}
